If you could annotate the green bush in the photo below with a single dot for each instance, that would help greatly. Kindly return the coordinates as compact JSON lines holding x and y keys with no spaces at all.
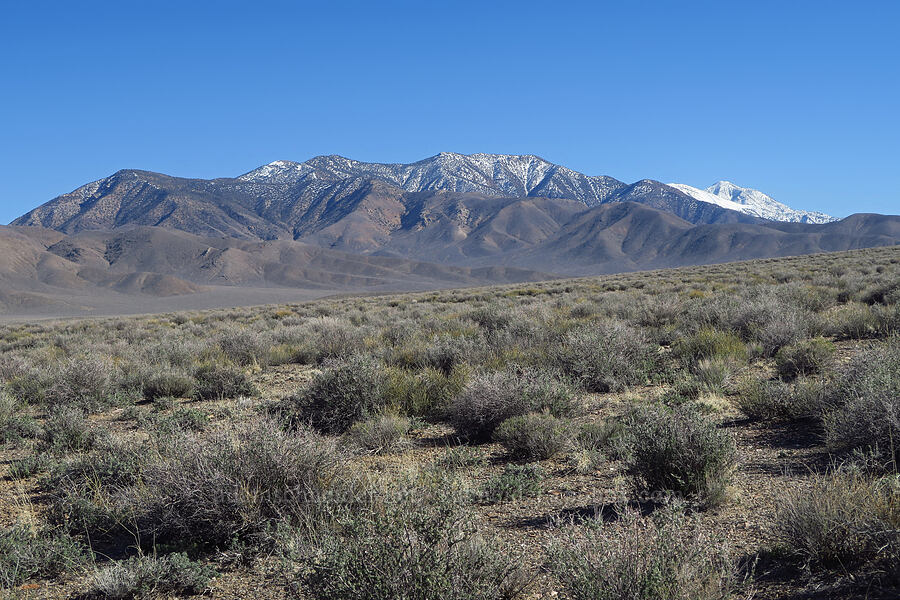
{"x":535,"y":436}
{"x":381,"y":434}
{"x":514,"y":483}
{"x":164,"y":383}
{"x":605,"y":357}
{"x":712,"y":374}
{"x":808,"y":357}
{"x":347,"y":391}
{"x":91,"y":496}
{"x":217,"y":382}
{"x":607,"y":437}
{"x":709,"y":343}
{"x":678,"y":450}
{"x":665,"y":557}
{"x":26,"y":554}
{"x":425,"y":393}
{"x":491,"y":398}
{"x":843,"y":520}
{"x":245,"y":347}
{"x":152,"y":577}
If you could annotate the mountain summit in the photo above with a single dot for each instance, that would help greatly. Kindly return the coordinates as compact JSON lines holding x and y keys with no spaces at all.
{"x":488,"y":174}
{"x":751,"y":202}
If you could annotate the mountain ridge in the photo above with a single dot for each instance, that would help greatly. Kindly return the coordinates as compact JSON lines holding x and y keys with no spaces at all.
{"x":334,"y":224}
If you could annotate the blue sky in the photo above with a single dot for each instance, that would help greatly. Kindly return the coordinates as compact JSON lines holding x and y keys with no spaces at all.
{"x":798,"y":99}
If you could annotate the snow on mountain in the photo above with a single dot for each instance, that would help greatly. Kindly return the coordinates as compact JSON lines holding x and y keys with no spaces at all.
{"x":751,"y":202}
{"x":511,"y":175}
{"x":501,"y":175}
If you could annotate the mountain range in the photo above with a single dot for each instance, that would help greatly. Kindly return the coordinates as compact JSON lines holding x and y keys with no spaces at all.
{"x":334,"y":224}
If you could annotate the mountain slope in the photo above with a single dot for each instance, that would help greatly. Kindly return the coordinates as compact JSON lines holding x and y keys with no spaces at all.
{"x":287,"y":200}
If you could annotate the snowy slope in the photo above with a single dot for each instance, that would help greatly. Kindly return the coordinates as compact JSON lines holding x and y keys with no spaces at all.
{"x":751,"y":202}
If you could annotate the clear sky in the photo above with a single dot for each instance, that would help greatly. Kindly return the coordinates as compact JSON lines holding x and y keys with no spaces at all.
{"x":799,"y":99}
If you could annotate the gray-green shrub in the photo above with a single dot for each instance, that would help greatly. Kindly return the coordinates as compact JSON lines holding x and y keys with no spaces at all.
{"x":236,"y":482}
{"x":491,"y":398}
{"x":863,"y":406}
{"x":217,"y":382}
{"x":347,"y":391}
{"x":842,"y":520}
{"x":667,"y":557}
{"x":418,"y":543}
{"x":807,"y":357}
{"x":605,"y":357}
{"x":513,"y":483}
{"x":678,"y":450}
{"x":535,"y":436}
{"x":27,"y":554}
{"x":152,"y":577}
{"x":381,"y":433}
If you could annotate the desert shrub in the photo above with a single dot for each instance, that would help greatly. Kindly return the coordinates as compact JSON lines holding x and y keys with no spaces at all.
{"x":447,"y":352}
{"x":68,"y":430}
{"x":425,"y":393}
{"x":13,"y":424}
{"x":491,"y":398}
{"x":236,"y":482}
{"x":514,"y":483}
{"x":769,"y":321}
{"x":27,"y":554}
{"x":808,"y":357}
{"x":607,"y":437}
{"x":180,"y":419}
{"x":91,"y":495}
{"x":461,"y":457}
{"x":110,"y":463}
{"x":30,"y":387}
{"x":29,"y":466}
{"x":84,"y":383}
{"x":883,"y":293}
{"x":217,"y":382}
{"x":853,"y":321}
{"x":605,"y":357}
{"x":685,"y":388}
{"x":842,"y":521}
{"x":709,"y":343}
{"x":380,"y":434}
{"x":347,"y":391}
{"x":245,"y":346}
{"x":152,"y":576}
{"x":535,"y":436}
{"x":680,"y":451}
{"x":165,"y":383}
{"x":326,"y":338}
{"x":712,"y":374}
{"x":665,"y":557}
{"x":863,"y":406}
{"x":419,"y":544}
{"x":772,"y":400}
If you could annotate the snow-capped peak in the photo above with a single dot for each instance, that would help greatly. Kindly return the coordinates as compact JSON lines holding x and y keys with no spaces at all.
{"x":751,"y":202}
{"x":275,"y":172}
